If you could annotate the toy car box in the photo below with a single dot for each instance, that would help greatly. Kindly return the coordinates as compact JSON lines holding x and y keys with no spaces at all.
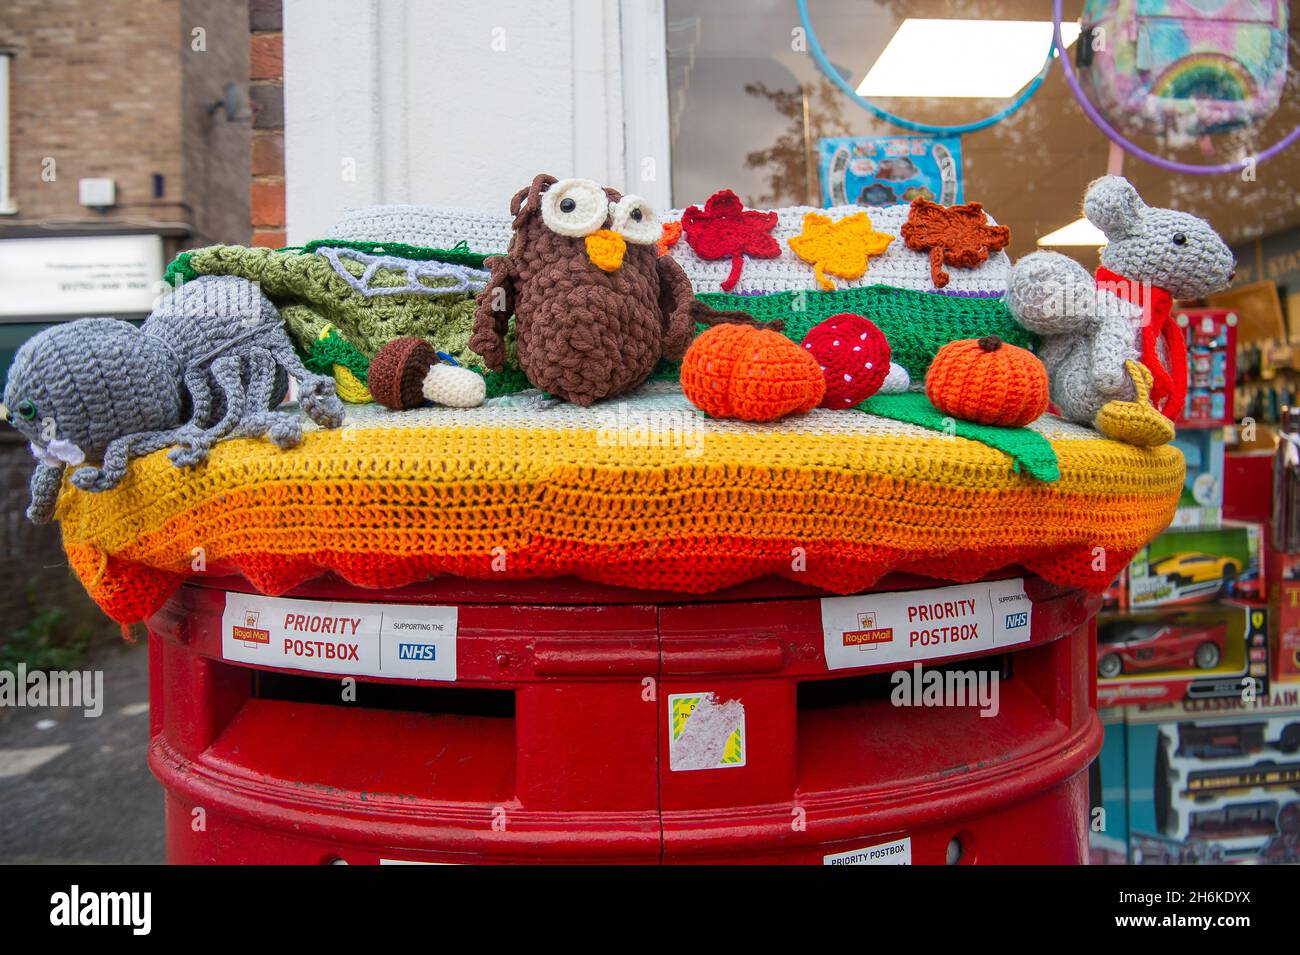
{"x":1115,"y":596}
{"x":1284,"y":577}
{"x":1198,"y":566}
{"x":1108,"y":794}
{"x":1214,"y":790}
{"x":1201,"y":503}
{"x":1211,"y":366}
{"x":1161,"y":656}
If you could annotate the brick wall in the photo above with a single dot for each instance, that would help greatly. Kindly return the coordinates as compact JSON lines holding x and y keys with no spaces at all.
{"x":266,"y":157}
{"x":122,"y":89}
{"x":95,"y":91}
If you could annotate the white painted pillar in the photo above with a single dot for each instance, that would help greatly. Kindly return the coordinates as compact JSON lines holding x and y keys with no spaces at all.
{"x":461,"y":104}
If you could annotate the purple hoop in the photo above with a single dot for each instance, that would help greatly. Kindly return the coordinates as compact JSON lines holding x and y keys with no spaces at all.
{"x":1132,"y":148}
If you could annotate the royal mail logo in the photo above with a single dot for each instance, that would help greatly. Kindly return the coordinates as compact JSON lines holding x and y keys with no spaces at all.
{"x":868,"y":635}
{"x":250,"y":632}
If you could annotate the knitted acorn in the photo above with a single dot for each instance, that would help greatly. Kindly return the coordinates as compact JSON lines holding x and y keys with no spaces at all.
{"x":987,"y":381}
{"x":407,"y":371}
{"x":853,"y":355}
{"x":738,"y":371}
{"x":397,"y":372}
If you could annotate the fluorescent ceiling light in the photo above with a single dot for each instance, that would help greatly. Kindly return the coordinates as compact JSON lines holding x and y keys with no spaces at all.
{"x":992,"y":59}
{"x":1078,"y":232}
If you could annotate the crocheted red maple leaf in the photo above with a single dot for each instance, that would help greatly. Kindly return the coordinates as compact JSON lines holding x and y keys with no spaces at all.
{"x":724,"y":228}
{"x":953,"y":235}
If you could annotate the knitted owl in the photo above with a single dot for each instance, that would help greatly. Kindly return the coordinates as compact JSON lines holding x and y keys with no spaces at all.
{"x":595,"y":305}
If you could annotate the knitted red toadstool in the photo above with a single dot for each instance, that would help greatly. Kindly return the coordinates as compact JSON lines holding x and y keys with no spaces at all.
{"x":853,"y":355}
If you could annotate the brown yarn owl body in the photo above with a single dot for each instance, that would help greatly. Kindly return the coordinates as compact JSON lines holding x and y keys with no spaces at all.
{"x":594,"y":309}
{"x":585,"y":334}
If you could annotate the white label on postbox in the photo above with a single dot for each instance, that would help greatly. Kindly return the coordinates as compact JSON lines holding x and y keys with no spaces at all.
{"x":904,"y":626}
{"x":404,"y":641}
{"x":898,"y":852}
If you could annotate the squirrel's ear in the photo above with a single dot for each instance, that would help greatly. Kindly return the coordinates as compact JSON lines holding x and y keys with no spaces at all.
{"x":1113,"y":206}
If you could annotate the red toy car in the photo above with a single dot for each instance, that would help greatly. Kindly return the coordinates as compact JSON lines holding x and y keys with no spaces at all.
{"x":1124,"y":646}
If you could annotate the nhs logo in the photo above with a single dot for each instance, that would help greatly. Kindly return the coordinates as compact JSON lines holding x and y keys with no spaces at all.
{"x":1015,"y":620}
{"x":417,"y":651}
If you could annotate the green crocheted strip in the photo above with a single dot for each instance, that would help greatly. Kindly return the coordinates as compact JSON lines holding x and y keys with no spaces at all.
{"x":459,"y":254}
{"x":333,"y":350}
{"x":1029,"y":450}
{"x":917,"y":324}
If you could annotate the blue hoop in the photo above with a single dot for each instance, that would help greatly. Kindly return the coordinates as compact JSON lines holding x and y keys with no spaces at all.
{"x":819,"y":57}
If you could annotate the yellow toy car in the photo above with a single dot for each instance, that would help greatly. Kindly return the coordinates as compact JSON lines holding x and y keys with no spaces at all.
{"x":1195,"y":568}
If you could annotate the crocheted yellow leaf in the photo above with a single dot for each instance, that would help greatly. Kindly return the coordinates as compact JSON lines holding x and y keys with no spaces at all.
{"x":840,"y":248}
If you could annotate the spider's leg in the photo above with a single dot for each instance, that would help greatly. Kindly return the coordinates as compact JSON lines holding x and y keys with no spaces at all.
{"x":119,"y":453}
{"x":46,"y":482}
{"x":196,"y":383}
{"x":225,"y":372}
{"x":316,"y":394}
{"x":282,"y":428}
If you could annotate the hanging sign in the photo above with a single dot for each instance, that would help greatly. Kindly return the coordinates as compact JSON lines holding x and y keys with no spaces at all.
{"x":888,"y":170}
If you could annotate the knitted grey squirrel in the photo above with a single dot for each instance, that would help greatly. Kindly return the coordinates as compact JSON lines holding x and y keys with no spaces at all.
{"x":1098,"y":334}
{"x":209,"y":363}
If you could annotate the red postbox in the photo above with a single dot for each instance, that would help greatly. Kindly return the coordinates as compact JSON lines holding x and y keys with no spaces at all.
{"x":580,"y":723}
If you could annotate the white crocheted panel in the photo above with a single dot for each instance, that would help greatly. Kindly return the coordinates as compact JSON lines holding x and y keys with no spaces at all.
{"x":488,"y":231}
{"x":660,"y":403}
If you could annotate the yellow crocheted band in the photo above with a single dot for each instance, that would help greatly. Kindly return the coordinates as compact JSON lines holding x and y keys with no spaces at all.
{"x":831,"y":499}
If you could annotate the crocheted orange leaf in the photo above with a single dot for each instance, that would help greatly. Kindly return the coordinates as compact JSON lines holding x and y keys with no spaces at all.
{"x":724,"y":229}
{"x":840,"y":248}
{"x":953,"y":235}
{"x":672,"y":231}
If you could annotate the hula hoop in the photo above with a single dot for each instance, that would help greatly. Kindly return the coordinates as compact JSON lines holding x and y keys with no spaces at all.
{"x":824,"y":64}
{"x":1132,"y":148}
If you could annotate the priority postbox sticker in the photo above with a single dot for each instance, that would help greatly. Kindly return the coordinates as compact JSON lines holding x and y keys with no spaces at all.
{"x":363,"y":639}
{"x":901,"y":627}
{"x":704,"y":733}
{"x":898,"y":852}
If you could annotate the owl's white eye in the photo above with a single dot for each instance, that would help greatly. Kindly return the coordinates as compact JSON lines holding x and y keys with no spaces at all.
{"x":575,"y":207}
{"x":636,"y":221}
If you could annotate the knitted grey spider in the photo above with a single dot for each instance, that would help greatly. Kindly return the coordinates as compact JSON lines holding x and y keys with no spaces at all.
{"x":208,"y":364}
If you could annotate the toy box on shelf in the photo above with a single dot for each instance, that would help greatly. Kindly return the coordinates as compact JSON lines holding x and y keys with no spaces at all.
{"x":1212,"y":366}
{"x":1177,"y":568}
{"x":1172,"y":654}
{"x":1284,"y":578}
{"x":1108,"y":794}
{"x":1216,"y":790}
{"x":1198,"y":566}
{"x":1115,"y":597}
{"x":1201,"y":503}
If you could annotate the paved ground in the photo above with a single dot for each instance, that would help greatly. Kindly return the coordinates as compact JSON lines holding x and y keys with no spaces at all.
{"x":74,"y":789}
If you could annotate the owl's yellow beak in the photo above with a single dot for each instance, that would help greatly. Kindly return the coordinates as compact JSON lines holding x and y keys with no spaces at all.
{"x":605,"y":248}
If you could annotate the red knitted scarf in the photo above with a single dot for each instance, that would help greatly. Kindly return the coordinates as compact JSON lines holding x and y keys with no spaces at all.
{"x":1169,"y":388}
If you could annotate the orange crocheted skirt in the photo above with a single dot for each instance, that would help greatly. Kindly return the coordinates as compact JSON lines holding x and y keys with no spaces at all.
{"x":643,"y":493}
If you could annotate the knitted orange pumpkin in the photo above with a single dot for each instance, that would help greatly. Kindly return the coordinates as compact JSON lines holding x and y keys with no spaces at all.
{"x":739,"y":371}
{"x":987,"y":381}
